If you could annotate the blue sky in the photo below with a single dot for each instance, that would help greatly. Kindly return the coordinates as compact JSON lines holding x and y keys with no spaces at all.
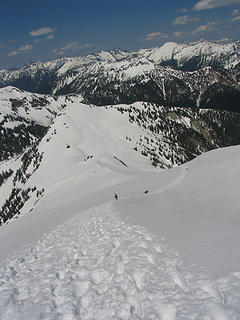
{"x":48,"y":29}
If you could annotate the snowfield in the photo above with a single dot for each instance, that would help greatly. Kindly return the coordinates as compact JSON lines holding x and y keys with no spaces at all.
{"x":97,"y":266}
{"x":167,"y":249}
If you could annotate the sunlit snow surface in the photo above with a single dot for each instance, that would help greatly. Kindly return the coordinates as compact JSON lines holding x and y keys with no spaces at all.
{"x":97,"y":266}
{"x":167,"y":249}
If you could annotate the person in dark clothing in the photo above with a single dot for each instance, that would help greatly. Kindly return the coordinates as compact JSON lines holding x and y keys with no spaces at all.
{"x":115,"y":196}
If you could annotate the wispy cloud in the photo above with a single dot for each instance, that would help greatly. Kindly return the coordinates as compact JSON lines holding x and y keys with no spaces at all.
{"x":237,"y":18}
{"x":21,"y":50}
{"x":205,"y":27}
{"x":183,"y":10}
{"x":154,"y":36}
{"x":71,"y":46}
{"x":178,"y":34}
{"x":184,"y":20}
{"x":41,"y":32}
{"x":212,"y":4}
{"x":235,"y":12}
{"x":236,"y":15}
{"x":48,"y":37}
{"x":202,"y":28}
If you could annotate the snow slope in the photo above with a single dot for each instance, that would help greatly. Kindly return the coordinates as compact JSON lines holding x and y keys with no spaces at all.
{"x":40,"y":113}
{"x":99,"y":265}
{"x":224,"y":51}
{"x":81,"y":161}
{"x":96,"y":266}
{"x":167,"y":249}
{"x":196,"y":208}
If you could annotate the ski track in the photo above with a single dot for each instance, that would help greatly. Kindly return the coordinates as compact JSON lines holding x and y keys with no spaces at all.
{"x":175,"y":182}
{"x":97,"y":266}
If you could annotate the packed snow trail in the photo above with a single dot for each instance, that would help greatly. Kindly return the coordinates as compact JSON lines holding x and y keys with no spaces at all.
{"x":169,"y":185}
{"x":178,"y":180}
{"x":97,"y":266}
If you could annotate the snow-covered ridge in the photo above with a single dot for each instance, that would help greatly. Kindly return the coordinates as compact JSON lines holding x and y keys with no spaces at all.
{"x":203,"y":74}
{"x":226,"y":52}
{"x":33,"y":107}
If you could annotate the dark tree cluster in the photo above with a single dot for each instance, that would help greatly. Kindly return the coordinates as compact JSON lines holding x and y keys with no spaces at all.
{"x":177,"y":142}
{"x":223,"y":125}
{"x":13,"y":204}
{"x":31,"y":156}
{"x":4,"y":175}
{"x":15,"y":140}
{"x":19,"y":196}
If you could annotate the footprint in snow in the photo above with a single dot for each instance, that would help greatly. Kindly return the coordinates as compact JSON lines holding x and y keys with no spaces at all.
{"x":81,"y":287}
{"x":179,"y":280}
{"x":97,"y":276}
{"x":166,"y":311}
{"x":210,"y":288}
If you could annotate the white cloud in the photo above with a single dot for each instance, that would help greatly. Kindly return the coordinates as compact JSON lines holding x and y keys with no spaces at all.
{"x":185,"y":20}
{"x":211,"y":4}
{"x":178,"y":34}
{"x":235,"y":12}
{"x":237,"y":18}
{"x":48,"y":37}
{"x":183,"y":10}
{"x":202,"y":28}
{"x":205,"y":27}
{"x":155,"y":36}
{"x":236,"y":15}
{"x":21,"y":50}
{"x":71,"y":46}
{"x":41,"y":31}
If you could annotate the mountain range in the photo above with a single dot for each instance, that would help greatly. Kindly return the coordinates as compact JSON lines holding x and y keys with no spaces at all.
{"x":202,"y":74}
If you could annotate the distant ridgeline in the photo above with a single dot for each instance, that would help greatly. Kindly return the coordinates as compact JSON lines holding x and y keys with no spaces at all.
{"x":198,"y":75}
